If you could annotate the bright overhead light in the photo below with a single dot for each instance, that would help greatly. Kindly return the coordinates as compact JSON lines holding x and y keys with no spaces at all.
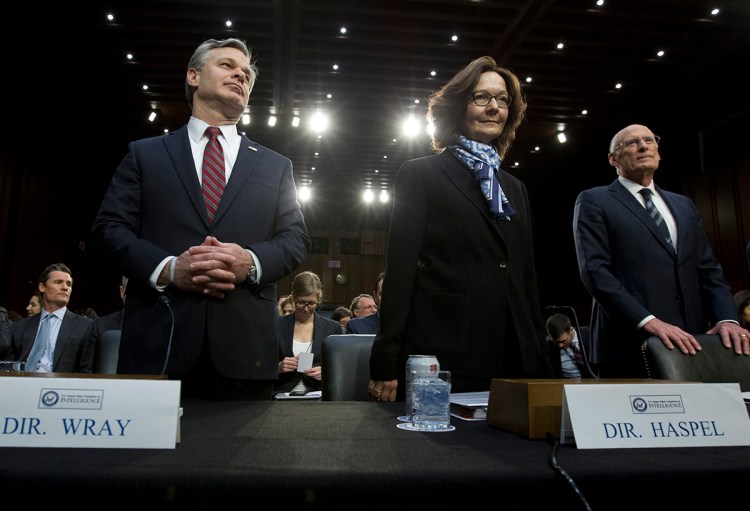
{"x":384,"y":196}
{"x":561,"y":137}
{"x":411,"y":127}
{"x":152,"y":116}
{"x":304,"y":193}
{"x":272,"y":121}
{"x":319,"y":122}
{"x":245,"y":118}
{"x":368,"y":196}
{"x":295,"y":121}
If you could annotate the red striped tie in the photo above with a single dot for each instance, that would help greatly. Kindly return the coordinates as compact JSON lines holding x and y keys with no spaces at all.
{"x":213,"y":172}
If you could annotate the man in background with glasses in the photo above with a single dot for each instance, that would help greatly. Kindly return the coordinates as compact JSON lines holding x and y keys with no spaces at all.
{"x":645,"y":258}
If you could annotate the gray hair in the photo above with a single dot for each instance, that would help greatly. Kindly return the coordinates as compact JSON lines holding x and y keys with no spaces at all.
{"x":200,"y":56}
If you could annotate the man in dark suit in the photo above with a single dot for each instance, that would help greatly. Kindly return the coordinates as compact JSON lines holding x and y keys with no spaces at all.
{"x":201,"y":266}
{"x":62,"y":343}
{"x":368,"y":324}
{"x":645,"y":281}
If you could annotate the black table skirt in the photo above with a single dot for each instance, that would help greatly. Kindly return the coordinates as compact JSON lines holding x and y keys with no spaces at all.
{"x":306,"y":453}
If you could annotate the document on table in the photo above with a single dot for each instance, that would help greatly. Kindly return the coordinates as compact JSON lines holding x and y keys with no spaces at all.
{"x":746,"y":396}
{"x":470,"y":406}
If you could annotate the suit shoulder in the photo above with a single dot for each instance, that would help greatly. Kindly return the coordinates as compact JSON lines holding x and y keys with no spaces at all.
{"x":259,"y":148}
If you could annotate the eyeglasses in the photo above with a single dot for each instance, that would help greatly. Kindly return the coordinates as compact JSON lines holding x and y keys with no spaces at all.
{"x":483,"y":98}
{"x":634,"y":142}
{"x":369,"y":307}
{"x":309,"y":305}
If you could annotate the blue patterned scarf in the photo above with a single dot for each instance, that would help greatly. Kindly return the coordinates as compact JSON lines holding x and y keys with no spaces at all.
{"x":484,"y":161}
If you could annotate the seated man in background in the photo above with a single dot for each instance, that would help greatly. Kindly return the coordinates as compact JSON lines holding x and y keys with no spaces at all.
{"x":565,"y":349}
{"x":369,"y":323}
{"x":52,"y":341}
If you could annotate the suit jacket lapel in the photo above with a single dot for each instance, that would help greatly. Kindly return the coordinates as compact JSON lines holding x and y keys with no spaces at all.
{"x":248,"y":157}
{"x":460,"y":175}
{"x":178,"y":148}
{"x":636,"y":208}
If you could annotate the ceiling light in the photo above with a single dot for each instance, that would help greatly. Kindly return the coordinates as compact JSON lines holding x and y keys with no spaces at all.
{"x":618,"y":86}
{"x":410,"y":127}
{"x":660,"y":53}
{"x":342,"y":30}
{"x":454,"y":38}
{"x":368,"y":196}
{"x":295,"y":121}
{"x":560,"y":46}
{"x":561,"y":137}
{"x":335,"y":67}
{"x":245,"y":118}
{"x":528,"y":79}
{"x":319,"y":122}
{"x":304,"y":194}
{"x":152,"y":116}
{"x":228,"y":23}
{"x":110,"y":17}
{"x":272,"y":121}
{"x":384,"y":196}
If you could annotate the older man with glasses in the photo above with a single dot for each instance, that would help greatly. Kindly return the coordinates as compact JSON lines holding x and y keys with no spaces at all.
{"x":647,"y":262}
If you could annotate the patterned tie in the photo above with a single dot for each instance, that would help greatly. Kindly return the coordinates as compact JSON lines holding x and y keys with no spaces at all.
{"x":40,"y":344}
{"x":213,"y":172}
{"x":577,"y":355}
{"x":656,"y":216}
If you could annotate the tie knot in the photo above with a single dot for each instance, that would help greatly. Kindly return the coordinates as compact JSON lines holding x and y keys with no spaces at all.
{"x":213,"y":131}
{"x":646,"y":192}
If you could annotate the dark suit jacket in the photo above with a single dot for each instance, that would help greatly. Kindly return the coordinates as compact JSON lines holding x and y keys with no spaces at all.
{"x":153,"y":209}
{"x":456,"y":276}
{"x":322,"y":328}
{"x":630,"y":272}
{"x":367,"y":325}
{"x":69,"y":347}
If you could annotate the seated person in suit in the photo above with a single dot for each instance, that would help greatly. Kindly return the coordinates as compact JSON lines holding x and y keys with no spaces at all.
{"x":52,"y":341}
{"x":35,"y":304}
{"x":370,"y":323}
{"x":343,"y":316}
{"x":565,"y":352}
{"x":303,"y":331}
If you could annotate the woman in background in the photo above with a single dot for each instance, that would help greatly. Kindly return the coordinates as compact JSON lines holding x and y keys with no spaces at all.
{"x":303,"y":331}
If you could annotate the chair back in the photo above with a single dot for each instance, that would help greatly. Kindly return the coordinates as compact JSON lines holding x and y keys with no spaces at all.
{"x":712,"y":364}
{"x":345,"y":361}
{"x":106,"y":352}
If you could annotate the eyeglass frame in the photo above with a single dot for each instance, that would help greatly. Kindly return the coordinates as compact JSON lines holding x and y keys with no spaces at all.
{"x":648,"y":140}
{"x":309,"y":305}
{"x":507,"y":98}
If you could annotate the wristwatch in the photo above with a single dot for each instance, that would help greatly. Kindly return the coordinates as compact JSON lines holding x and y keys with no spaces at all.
{"x":252,"y":275}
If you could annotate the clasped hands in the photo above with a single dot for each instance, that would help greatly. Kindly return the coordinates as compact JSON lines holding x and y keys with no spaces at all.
{"x":212,"y":268}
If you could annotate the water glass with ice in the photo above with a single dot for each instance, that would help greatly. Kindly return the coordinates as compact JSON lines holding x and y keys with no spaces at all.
{"x":432,"y":402}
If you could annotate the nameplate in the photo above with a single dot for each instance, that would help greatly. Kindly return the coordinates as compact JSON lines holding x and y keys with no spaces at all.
{"x":89,"y":412}
{"x":658,"y":415}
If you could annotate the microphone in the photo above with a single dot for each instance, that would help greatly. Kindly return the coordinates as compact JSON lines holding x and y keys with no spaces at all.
{"x":164,"y":300}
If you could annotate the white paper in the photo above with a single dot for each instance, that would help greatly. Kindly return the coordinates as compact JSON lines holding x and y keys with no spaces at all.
{"x":305,"y":361}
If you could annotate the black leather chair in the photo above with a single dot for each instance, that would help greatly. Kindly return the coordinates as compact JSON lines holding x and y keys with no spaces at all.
{"x":713,"y":364}
{"x":345,"y":361}
{"x":106,"y":352}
